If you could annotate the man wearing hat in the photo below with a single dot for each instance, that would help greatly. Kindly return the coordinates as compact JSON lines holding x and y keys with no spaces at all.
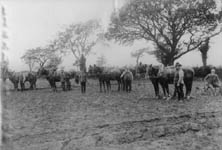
{"x":83,"y":80}
{"x":62,"y":79}
{"x":212,"y":81}
{"x":178,"y":81}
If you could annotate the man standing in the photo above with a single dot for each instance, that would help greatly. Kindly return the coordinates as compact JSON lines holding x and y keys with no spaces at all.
{"x":62,"y":79}
{"x":83,"y":81}
{"x":178,"y":81}
{"x":212,"y":81}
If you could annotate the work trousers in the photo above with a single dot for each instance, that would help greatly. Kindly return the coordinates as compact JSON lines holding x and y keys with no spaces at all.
{"x":179,"y":91}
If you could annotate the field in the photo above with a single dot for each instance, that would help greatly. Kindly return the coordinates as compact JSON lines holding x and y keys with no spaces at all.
{"x":43,"y":120}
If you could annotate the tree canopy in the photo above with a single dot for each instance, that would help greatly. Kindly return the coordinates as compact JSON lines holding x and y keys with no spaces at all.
{"x":176,"y":27}
{"x":138,"y":54}
{"x":43,"y":57}
{"x":79,"y":39}
{"x":101,"y":61}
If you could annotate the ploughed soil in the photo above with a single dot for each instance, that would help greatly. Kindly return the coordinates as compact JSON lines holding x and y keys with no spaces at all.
{"x":44,"y":120}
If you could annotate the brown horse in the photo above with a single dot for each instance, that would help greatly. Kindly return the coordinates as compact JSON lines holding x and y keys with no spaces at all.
{"x":31,"y":77}
{"x":105,"y":76}
{"x":53,"y":78}
{"x":164,"y":76}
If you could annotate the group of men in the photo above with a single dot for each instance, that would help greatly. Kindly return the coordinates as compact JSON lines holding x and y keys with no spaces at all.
{"x":66,"y":83}
{"x":211,"y":81}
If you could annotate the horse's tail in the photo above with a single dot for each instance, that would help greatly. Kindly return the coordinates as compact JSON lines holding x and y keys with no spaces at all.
{"x":128,"y":76}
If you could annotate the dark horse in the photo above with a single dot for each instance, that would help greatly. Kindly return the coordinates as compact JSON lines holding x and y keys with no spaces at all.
{"x":165,"y":75}
{"x":55,"y":77}
{"x":105,"y":77}
{"x":31,"y":77}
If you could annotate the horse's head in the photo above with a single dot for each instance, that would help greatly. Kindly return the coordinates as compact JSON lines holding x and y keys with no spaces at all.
{"x":42,"y":72}
{"x":152,"y":71}
{"x":72,"y":74}
{"x":98,"y":70}
{"x":4,"y":73}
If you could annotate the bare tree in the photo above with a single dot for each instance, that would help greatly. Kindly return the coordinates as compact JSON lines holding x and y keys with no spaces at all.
{"x":139,"y":54}
{"x":54,"y":62}
{"x":176,"y":27}
{"x":101,"y":61}
{"x":41,"y":56}
{"x":79,"y":39}
{"x":29,"y":59}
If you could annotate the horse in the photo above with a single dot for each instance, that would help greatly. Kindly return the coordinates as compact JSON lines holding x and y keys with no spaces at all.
{"x":31,"y":77}
{"x":105,"y":76}
{"x":17,"y":79}
{"x":127,"y":81}
{"x":56,"y":77}
{"x":165,"y":76}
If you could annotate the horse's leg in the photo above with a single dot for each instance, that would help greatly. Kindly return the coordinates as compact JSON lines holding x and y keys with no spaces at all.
{"x":63,"y":85}
{"x":100,"y":85}
{"x":175,"y":91}
{"x":51,"y":85}
{"x":31,"y":85}
{"x":107,"y":85}
{"x":21,"y":85}
{"x":15,"y":87}
{"x":164,"y":90}
{"x":156,"y":87}
{"x":104,"y":86}
{"x":34,"y":85}
{"x":188,"y":85}
{"x":167,"y":90}
{"x":68,"y":85}
{"x":124,"y":85}
{"x":55,"y":86}
{"x":118,"y":82}
{"x":130,"y":86}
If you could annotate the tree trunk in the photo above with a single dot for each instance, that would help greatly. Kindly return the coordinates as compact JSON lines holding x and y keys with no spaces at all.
{"x":30,"y":67}
{"x":82,"y":63}
{"x":137,"y":65}
{"x":169,"y":62}
{"x":204,"y":59}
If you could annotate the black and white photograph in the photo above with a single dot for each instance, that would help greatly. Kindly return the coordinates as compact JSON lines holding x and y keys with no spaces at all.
{"x":111,"y":75}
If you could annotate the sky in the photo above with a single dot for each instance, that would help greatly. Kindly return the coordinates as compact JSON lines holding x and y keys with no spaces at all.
{"x":36,"y":23}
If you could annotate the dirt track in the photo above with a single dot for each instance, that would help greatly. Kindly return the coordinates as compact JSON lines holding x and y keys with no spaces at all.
{"x":43,"y":120}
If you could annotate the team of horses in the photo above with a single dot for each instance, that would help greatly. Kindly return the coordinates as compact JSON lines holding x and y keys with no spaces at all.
{"x":20,"y":78}
{"x":158,"y":75}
